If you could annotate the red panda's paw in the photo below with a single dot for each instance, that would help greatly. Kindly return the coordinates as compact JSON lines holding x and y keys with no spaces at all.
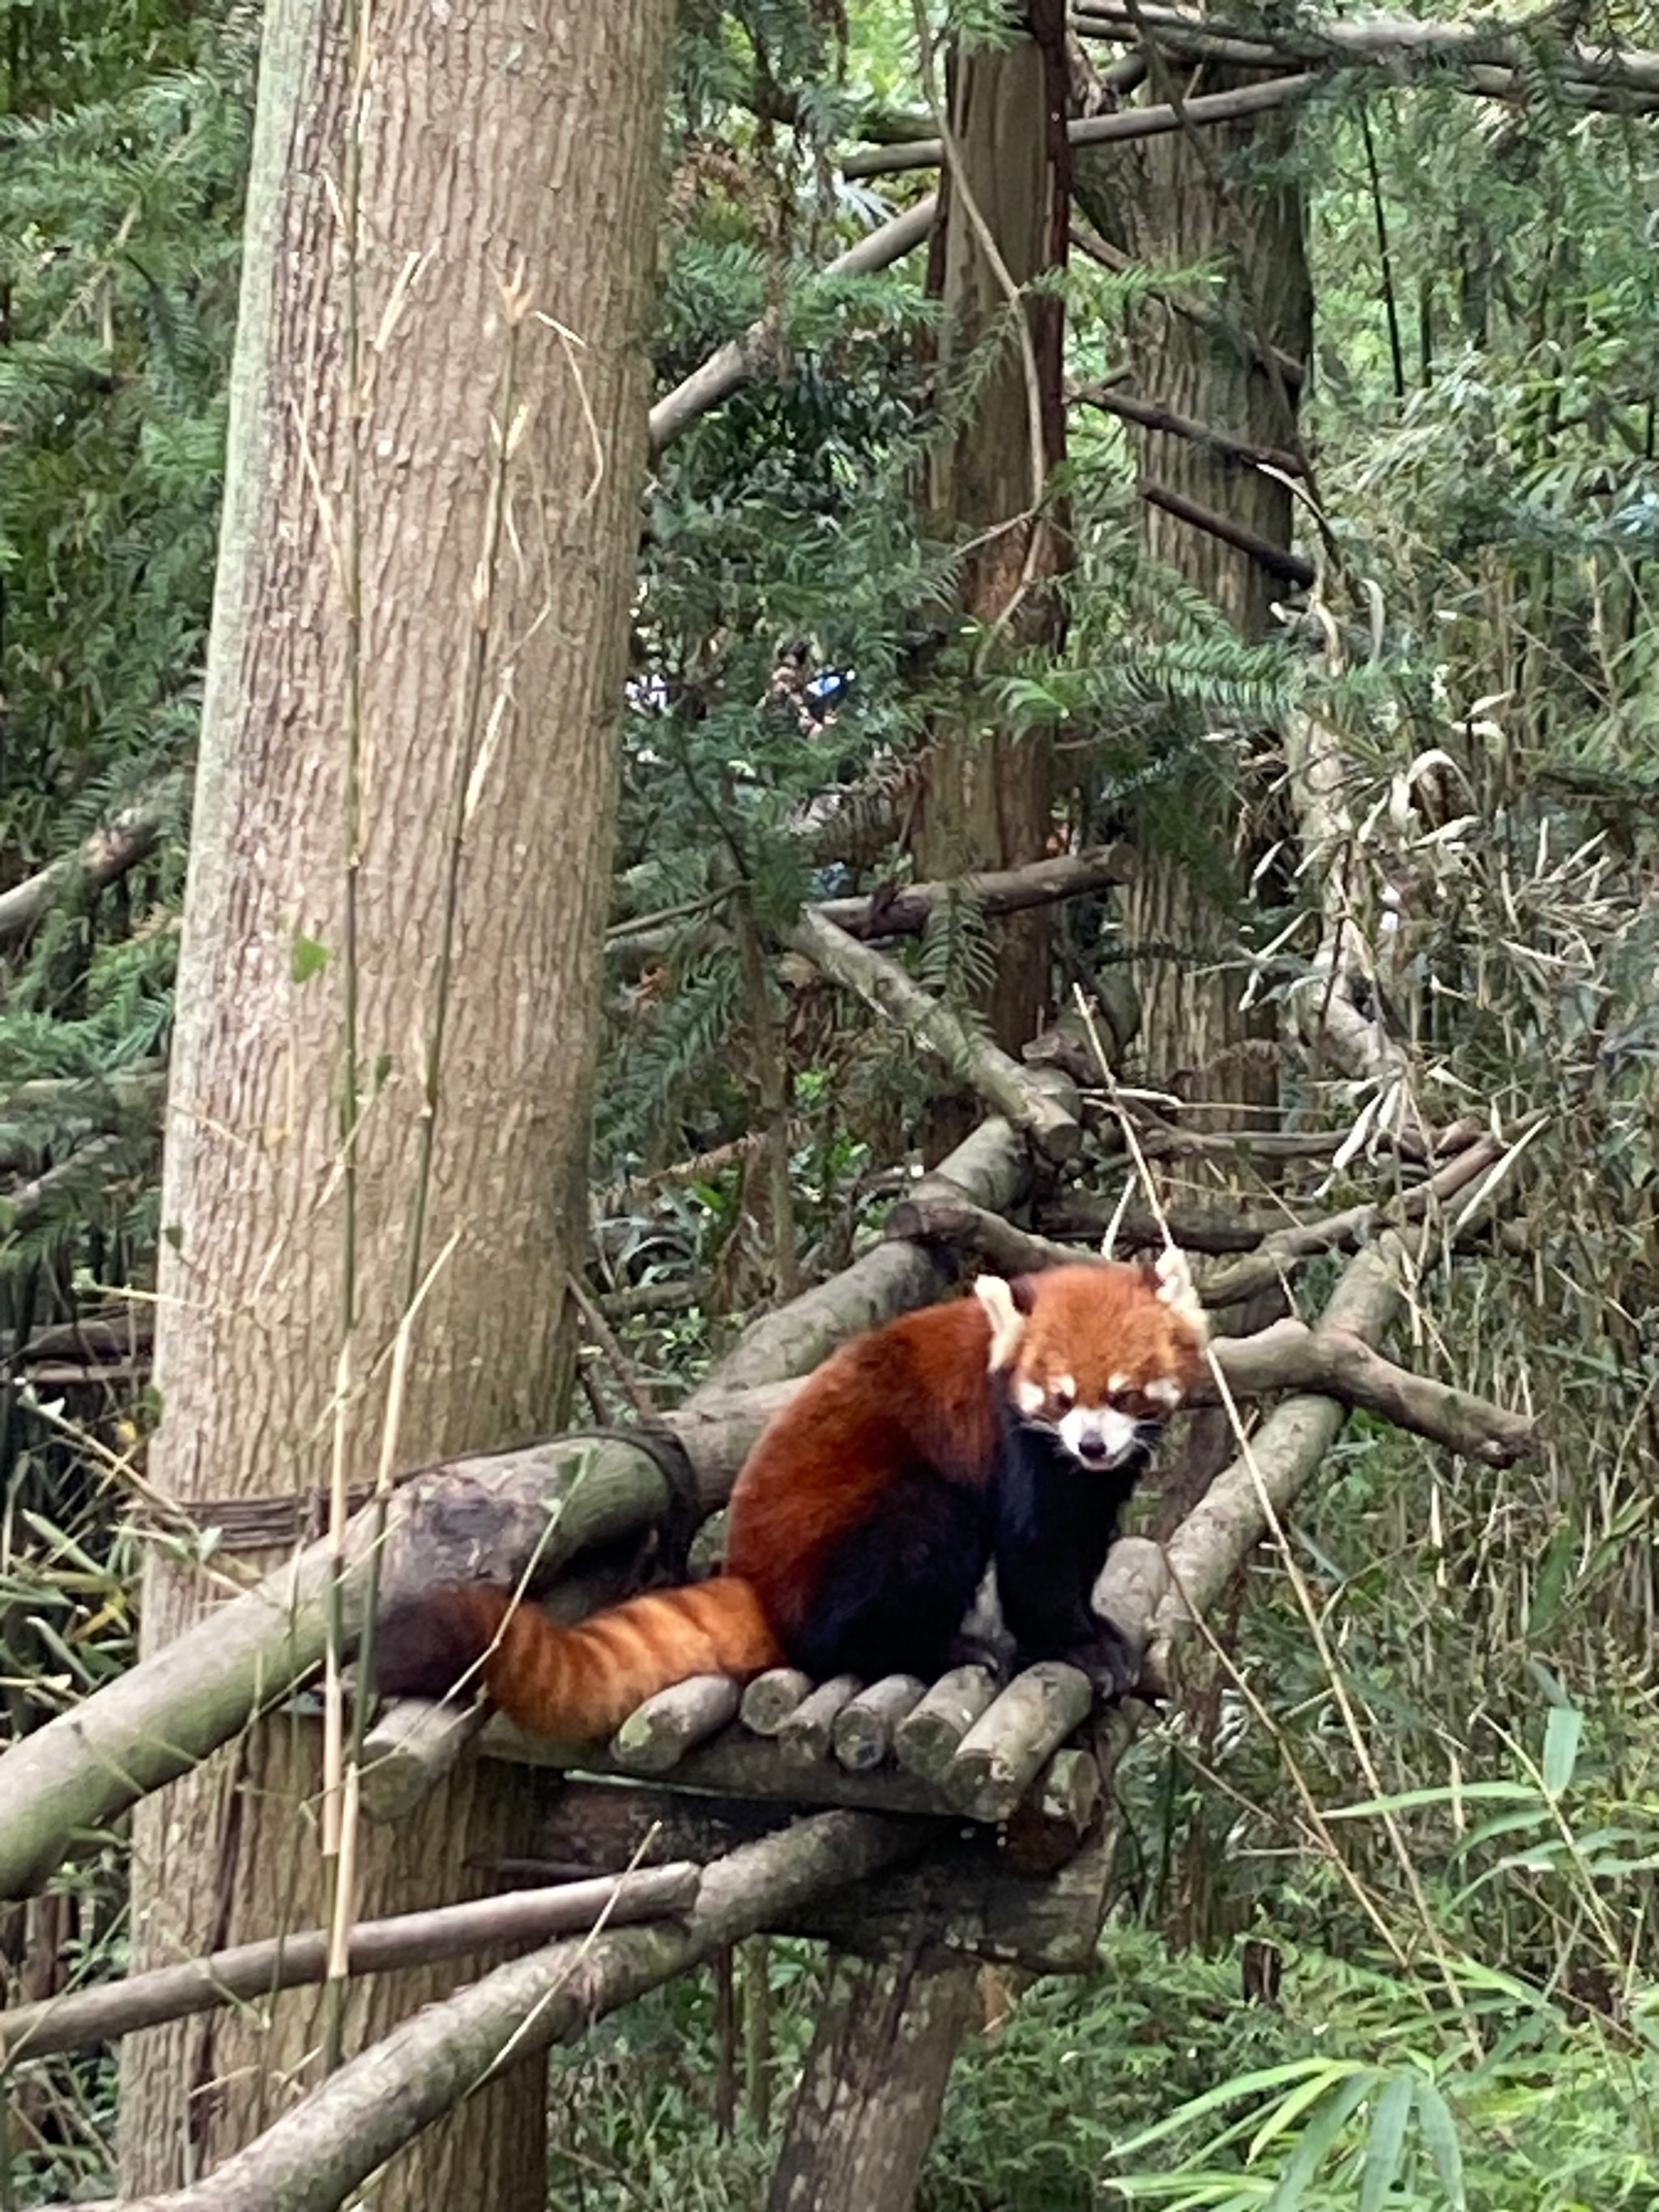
{"x":1110,"y":1659}
{"x":427,"y":1647}
{"x":994,"y":1654}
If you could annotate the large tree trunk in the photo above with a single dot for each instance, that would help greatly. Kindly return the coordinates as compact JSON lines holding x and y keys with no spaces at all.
{"x":505,"y":224}
{"x":987,"y":801}
{"x":1178,"y":202}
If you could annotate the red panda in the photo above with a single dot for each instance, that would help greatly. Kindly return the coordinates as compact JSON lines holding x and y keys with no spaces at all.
{"x":1006,"y":1427}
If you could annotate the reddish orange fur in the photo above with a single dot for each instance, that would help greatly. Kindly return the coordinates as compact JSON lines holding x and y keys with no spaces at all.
{"x":916,"y":1390}
{"x":1094,"y":1323}
{"x":576,"y":1684}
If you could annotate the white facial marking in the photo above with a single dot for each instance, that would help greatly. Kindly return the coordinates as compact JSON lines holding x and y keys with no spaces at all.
{"x":1165,"y":1391}
{"x":1064,"y":1386}
{"x":1028,"y":1396}
{"x":1007,"y":1322}
{"x":1114,"y":1384}
{"x":1097,"y":1435}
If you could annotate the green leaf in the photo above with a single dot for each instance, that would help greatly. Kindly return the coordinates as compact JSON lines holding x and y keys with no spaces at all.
{"x":1440,"y":2135}
{"x":1290,"y":2107}
{"x":1320,"y":2132}
{"x":1563,"y":1733}
{"x":1407,"y":1801}
{"x":1552,"y":1579}
{"x":309,"y":958}
{"x":1227,"y":2093}
{"x":1386,"y":2141}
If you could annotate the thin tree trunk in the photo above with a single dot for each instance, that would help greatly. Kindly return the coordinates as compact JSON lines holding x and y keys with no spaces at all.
{"x":987,"y":799}
{"x":873,"y":2086}
{"x":443,"y":458}
{"x":1179,"y":202}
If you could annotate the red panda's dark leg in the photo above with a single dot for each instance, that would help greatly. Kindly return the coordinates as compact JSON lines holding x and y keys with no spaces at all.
{"x":891,"y":1594}
{"x":1055,"y":1522}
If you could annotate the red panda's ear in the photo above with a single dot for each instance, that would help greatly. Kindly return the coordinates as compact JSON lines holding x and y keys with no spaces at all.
{"x":1002,"y":1302}
{"x":1175,"y":1287}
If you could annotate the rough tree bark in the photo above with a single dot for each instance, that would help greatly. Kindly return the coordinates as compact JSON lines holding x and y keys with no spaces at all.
{"x":874,"y":2084}
{"x":430,"y":512}
{"x":1192,"y":198}
{"x":985,"y":801}
{"x":1178,"y":202}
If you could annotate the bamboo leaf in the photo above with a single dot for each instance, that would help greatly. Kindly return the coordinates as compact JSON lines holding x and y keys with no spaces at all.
{"x":1320,"y":2132}
{"x":1563,"y":1733}
{"x":1440,"y":2137}
{"x":1386,"y":2141}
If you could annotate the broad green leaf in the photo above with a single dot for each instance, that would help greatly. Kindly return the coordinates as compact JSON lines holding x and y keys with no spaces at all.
{"x":309,"y":958}
{"x":1386,"y":2141}
{"x":1563,"y":1733}
{"x":1440,"y":2135}
{"x":1320,"y":2132}
{"x":1502,"y":1824}
{"x":1290,"y":2107}
{"x":1226,"y":2093}
{"x":1407,"y":1801}
{"x":1552,"y":1579}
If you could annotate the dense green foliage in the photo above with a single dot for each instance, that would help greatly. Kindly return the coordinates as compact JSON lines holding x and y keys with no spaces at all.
{"x":1431,"y":1784}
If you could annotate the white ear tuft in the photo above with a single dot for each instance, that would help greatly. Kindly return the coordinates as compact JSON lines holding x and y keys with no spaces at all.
{"x":1007,"y":1322}
{"x":1178,"y":1291}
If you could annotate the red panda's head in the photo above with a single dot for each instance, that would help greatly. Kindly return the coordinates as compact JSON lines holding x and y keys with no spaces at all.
{"x":1100,"y":1355}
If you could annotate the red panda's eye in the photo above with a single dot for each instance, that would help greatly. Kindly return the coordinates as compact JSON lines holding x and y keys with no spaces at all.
{"x":1061,"y":1400}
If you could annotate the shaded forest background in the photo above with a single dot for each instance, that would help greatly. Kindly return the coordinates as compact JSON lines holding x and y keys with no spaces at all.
{"x":1469,"y":1907}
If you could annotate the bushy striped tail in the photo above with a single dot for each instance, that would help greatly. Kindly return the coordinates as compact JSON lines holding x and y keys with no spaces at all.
{"x":574,"y":1684}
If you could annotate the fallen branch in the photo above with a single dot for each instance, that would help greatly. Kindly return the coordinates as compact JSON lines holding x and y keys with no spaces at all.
{"x":84,"y":2017}
{"x":1341,"y":1000}
{"x":1274,"y":1253}
{"x":902,"y":910}
{"x":1288,"y":1355}
{"x":1261,"y":1485}
{"x":1289,"y":568}
{"x":160,"y":1717}
{"x":1124,"y":405}
{"x":1489,"y":57}
{"x":109,"y":853}
{"x":1012,"y":1089}
{"x":1340,"y":1365}
{"x":56,"y":1110}
{"x":316,"y":2154}
{"x":990,"y":1165}
{"x":721,"y":375}
{"x":1206,"y":110}
{"x":27,"y":1203}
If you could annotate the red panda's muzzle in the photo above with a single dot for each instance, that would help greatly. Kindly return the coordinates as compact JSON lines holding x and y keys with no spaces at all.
{"x":1100,"y":1437}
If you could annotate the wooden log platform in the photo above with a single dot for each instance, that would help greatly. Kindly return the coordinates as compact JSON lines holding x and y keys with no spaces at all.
{"x":961,"y":1752}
